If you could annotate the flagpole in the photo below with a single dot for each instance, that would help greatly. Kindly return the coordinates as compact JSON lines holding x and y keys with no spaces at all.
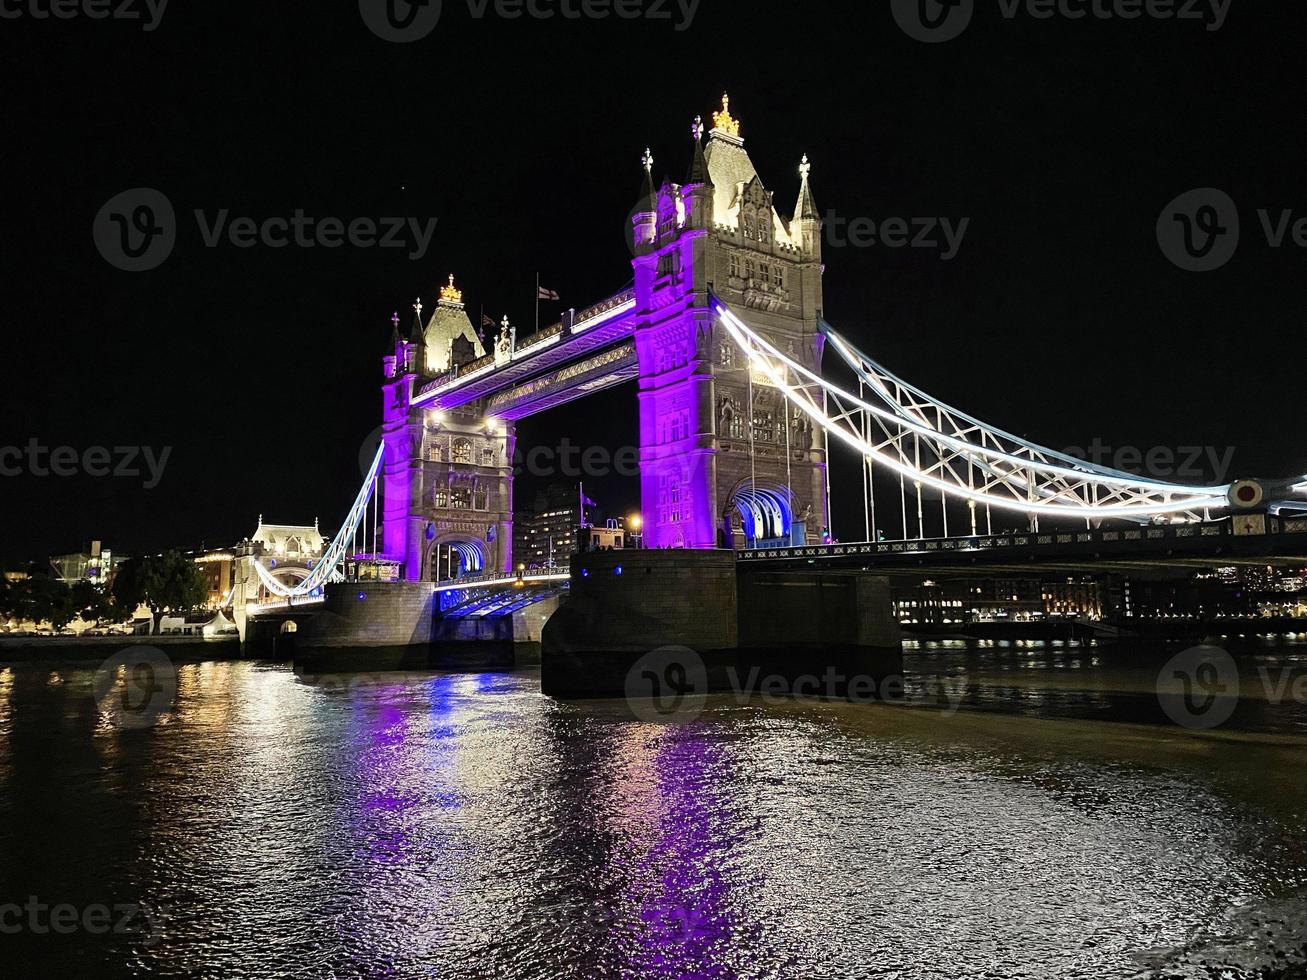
{"x":537,"y":302}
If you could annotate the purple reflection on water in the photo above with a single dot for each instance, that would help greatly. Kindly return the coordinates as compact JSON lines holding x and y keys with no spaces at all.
{"x":687,"y":919}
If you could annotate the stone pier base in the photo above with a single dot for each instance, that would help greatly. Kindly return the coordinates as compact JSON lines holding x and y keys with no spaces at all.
{"x":640,"y":623}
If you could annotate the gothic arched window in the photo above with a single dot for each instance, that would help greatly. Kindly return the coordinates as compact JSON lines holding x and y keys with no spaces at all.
{"x":463,"y":451}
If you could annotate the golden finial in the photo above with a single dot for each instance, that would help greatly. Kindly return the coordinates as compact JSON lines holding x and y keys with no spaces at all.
{"x":449,"y":294}
{"x":724,"y":121}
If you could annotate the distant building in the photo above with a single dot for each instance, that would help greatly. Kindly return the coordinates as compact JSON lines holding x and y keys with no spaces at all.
{"x":219,"y":570}
{"x":95,"y":565}
{"x":610,"y":537}
{"x":547,"y":534}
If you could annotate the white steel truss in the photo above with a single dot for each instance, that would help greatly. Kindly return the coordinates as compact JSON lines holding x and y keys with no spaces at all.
{"x":933,"y":445}
{"x":327,"y":568}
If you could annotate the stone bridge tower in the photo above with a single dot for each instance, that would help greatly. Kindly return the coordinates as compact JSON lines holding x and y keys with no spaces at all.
{"x":447,"y":475}
{"x":723,"y":459}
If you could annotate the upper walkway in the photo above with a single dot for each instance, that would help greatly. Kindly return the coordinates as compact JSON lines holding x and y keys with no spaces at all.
{"x":593,"y":330}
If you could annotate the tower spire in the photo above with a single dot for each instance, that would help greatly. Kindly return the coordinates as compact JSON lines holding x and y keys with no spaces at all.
{"x":415,"y":336}
{"x":647,"y":161}
{"x":807,"y":206}
{"x":724,"y":124}
{"x":698,"y":165}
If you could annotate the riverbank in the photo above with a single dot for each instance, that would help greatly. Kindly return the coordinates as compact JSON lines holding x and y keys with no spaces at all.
{"x":55,"y":649}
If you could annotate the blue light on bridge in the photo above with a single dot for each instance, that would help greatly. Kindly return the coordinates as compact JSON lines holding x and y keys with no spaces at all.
{"x":362,"y":596}
{"x":618,"y":570}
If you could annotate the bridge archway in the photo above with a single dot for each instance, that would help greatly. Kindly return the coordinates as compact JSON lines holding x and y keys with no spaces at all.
{"x":761,"y":513}
{"x":454,"y":557}
{"x":288,"y":575}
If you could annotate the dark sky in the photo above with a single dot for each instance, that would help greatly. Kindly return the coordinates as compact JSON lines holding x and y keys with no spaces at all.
{"x":1061,"y":140}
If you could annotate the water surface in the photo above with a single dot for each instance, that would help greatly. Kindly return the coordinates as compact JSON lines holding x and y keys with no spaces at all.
{"x":467,"y":826}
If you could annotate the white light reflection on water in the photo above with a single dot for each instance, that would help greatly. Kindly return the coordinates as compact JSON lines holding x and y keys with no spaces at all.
{"x":468,"y":826}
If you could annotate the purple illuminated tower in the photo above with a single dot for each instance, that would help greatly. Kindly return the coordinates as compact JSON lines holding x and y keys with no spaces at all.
{"x":447,"y":479}
{"x":723,"y":460}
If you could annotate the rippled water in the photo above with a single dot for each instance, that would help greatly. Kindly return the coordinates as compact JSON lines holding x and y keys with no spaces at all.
{"x":465,"y":826}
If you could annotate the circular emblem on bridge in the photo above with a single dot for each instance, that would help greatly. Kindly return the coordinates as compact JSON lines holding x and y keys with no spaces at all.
{"x":1199,"y":688}
{"x":1247,"y":493}
{"x":134,"y":687}
{"x":667,"y":686}
{"x":932,"y":21}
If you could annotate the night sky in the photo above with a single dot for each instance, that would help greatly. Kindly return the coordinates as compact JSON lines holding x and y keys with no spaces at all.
{"x":1059,"y":318}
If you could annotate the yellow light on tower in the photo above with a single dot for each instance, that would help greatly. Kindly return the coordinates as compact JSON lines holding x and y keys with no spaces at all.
{"x":724,"y":121}
{"x":450,"y":293}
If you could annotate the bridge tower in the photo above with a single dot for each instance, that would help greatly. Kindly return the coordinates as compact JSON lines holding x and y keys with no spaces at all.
{"x":448,"y":475}
{"x":723,"y":458}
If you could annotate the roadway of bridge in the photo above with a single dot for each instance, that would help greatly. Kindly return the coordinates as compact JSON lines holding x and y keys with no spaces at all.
{"x":1137,"y":551}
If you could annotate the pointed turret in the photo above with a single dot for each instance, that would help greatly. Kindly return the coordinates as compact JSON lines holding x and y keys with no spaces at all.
{"x":644,"y":216}
{"x":394,"y":330}
{"x":648,"y":196}
{"x":807,"y":206}
{"x":417,"y":334}
{"x":699,"y":164}
{"x":806,"y":226}
{"x":451,"y":341}
{"x":415,"y":357}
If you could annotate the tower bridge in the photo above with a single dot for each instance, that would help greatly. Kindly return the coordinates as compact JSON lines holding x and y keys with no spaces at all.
{"x":725,"y":334}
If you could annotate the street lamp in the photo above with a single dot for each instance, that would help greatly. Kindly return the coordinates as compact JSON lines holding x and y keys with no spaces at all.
{"x":636,"y":523}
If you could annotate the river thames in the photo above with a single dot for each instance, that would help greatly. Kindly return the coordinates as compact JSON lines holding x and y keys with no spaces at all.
{"x":1029,"y":812}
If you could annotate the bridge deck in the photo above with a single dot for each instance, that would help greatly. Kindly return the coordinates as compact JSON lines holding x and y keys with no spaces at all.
{"x":1176,"y":547}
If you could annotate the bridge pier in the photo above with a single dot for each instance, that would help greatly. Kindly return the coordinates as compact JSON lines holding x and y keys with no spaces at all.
{"x":750,"y":632}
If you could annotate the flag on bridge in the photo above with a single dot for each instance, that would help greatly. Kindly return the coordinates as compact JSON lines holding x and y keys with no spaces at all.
{"x":545,"y":293}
